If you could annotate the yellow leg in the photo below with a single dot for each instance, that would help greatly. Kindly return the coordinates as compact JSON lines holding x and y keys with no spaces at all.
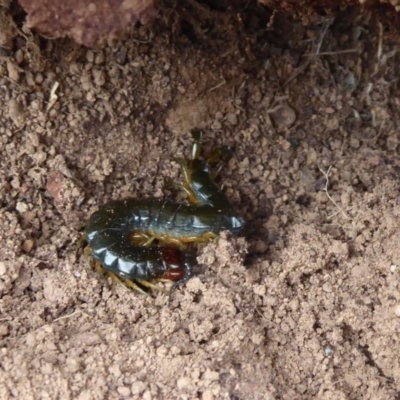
{"x":205,"y":237}
{"x":127,"y":283}
{"x":186,"y":186}
{"x":182,"y":242}
{"x":179,"y":186}
{"x":86,"y":255}
{"x":82,"y":241}
{"x":100,"y":270}
{"x":172,"y":241}
{"x":132,"y":285}
{"x":141,"y":238}
{"x":153,"y":286}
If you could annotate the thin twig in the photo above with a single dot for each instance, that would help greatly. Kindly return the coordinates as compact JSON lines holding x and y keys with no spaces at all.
{"x":316,"y":51}
{"x":68,"y":316}
{"x":326,"y":174}
{"x":331,"y":53}
{"x":222,"y":83}
{"x":379,"y":48}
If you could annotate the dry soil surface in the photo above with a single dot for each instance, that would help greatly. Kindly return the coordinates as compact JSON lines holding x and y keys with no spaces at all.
{"x":304,"y":305}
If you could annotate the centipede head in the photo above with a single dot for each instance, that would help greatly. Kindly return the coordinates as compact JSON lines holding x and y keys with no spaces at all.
{"x":181,"y":273}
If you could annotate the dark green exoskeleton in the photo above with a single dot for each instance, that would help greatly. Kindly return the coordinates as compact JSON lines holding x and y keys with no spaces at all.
{"x":145,"y":240}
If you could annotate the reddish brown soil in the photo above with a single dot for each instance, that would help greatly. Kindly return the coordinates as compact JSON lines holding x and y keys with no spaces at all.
{"x":311,"y":312}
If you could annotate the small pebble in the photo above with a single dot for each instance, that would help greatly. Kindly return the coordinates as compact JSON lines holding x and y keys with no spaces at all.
{"x":283,"y":115}
{"x":2,"y":268}
{"x":397,"y":310}
{"x":138,"y":387}
{"x":124,"y":391}
{"x":232,"y":118}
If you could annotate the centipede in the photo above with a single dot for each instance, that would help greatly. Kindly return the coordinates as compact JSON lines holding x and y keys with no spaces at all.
{"x":142,"y":241}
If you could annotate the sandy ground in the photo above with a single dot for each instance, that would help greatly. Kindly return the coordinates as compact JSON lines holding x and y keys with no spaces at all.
{"x":306,"y":305}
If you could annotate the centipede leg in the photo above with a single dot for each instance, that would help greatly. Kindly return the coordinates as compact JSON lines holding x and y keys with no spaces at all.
{"x":127,"y":283}
{"x":186,"y":186}
{"x":219,"y":158}
{"x":183,"y":242}
{"x":179,"y":186}
{"x":152,"y":286}
{"x":86,"y":254}
{"x":197,"y":135}
{"x":132,"y":285}
{"x":141,"y":238}
{"x":82,"y":242}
